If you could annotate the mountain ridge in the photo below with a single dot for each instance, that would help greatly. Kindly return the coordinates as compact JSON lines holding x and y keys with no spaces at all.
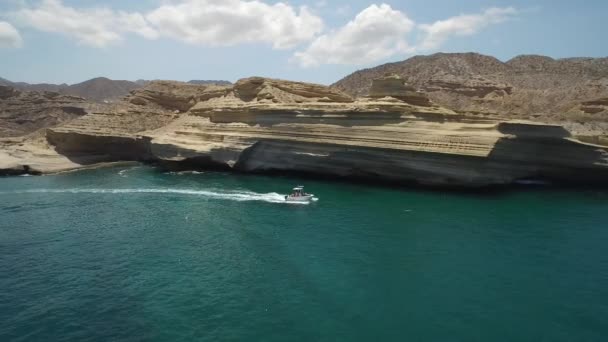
{"x":98,"y":89}
{"x":524,"y":87}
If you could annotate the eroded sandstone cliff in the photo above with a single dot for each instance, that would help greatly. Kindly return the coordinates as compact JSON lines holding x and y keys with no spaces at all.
{"x":264,"y":125}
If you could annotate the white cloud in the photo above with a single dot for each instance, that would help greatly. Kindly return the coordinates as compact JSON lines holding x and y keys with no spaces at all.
{"x":205,"y":22}
{"x":135,"y":22}
{"x":97,"y":27}
{"x":437,"y":33}
{"x":380,"y":32}
{"x":376,"y":33}
{"x":9,"y":36}
{"x":230,"y":22}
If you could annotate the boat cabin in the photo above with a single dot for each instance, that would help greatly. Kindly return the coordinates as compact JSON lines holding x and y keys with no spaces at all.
{"x":298,"y":191}
{"x":298,"y":195}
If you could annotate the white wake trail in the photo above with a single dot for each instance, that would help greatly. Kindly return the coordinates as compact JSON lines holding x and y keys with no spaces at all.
{"x":181,"y":173}
{"x":240,"y":196}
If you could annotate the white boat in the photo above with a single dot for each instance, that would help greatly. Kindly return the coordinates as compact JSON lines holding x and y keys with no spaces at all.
{"x":298,"y":195}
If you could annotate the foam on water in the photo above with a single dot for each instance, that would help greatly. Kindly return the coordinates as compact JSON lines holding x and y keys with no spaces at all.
{"x":180,"y":173}
{"x":123,"y":173}
{"x":240,"y":196}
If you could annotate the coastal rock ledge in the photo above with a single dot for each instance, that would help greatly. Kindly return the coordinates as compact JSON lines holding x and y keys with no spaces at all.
{"x":395,"y":134}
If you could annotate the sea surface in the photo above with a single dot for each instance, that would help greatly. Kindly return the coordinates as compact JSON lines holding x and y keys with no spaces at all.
{"x":135,"y":254}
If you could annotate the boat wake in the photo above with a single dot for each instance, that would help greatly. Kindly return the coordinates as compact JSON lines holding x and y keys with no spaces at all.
{"x":240,"y":196}
{"x":123,"y":173}
{"x":181,"y":173}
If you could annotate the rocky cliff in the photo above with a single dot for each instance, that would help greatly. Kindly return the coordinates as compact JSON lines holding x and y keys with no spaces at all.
{"x":23,"y":112}
{"x":538,"y":88}
{"x":396,"y":134}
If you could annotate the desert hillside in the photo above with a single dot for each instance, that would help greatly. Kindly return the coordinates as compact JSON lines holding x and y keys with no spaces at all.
{"x":99,"y":89}
{"x":540,"y":88}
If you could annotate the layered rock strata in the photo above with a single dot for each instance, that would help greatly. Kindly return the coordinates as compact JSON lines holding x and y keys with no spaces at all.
{"x":528,"y":87}
{"x":395,"y":87}
{"x":23,"y":112}
{"x":266,"y":125}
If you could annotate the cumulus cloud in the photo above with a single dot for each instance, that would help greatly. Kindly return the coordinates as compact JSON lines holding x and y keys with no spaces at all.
{"x":97,"y":27}
{"x":376,"y":33}
{"x":135,"y":22}
{"x":204,"y":22}
{"x":437,"y":33}
{"x":230,"y":22}
{"x":9,"y":36}
{"x":380,"y":32}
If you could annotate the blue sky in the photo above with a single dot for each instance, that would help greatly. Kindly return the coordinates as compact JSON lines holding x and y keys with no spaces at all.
{"x":318,"y":41}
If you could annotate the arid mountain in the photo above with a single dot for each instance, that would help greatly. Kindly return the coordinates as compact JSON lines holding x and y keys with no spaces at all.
{"x":97,"y":89}
{"x":41,"y":87}
{"x":24,"y":112}
{"x":101,"y":89}
{"x":5,"y":82}
{"x":525,"y":87}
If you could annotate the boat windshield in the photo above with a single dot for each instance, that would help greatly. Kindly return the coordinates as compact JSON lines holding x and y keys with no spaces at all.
{"x":298,"y":191}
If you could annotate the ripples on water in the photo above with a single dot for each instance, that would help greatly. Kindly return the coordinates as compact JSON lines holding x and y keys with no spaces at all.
{"x":134,"y":254}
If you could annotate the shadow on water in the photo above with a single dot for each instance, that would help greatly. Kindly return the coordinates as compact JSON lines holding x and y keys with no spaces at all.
{"x":489,"y":192}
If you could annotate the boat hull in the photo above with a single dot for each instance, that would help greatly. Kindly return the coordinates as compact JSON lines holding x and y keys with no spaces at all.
{"x":307,"y":198}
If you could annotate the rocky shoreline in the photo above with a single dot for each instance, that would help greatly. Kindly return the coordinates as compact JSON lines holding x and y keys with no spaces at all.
{"x":259,"y":125}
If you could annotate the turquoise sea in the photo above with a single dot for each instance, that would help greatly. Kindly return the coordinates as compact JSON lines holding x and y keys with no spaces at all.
{"x":135,"y":254}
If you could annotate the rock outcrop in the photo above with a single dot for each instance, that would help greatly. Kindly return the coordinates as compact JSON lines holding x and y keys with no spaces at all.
{"x":528,"y":87}
{"x":279,"y":91}
{"x":267,"y":125}
{"x":395,"y":87}
{"x":23,"y":112}
{"x":174,"y":95}
{"x":595,"y":106}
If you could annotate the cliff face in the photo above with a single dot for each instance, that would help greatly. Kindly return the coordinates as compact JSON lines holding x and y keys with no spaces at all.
{"x":527,"y":87}
{"x":264,"y":125}
{"x":23,"y":112}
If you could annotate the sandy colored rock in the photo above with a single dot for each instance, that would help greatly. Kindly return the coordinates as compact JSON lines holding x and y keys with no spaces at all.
{"x":526,"y":87}
{"x":396,"y":87}
{"x":268,"y":125}
{"x":264,"y":125}
{"x":174,"y":95}
{"x":23,"y":112}
{"x":259,"y":88}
